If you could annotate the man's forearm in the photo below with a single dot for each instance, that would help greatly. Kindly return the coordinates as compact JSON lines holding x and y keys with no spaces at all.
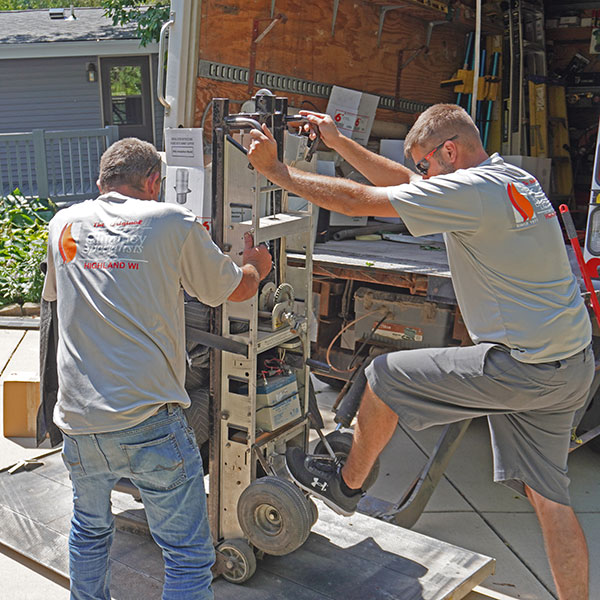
{"x":333,"y":193}
{"x":379,"y":170}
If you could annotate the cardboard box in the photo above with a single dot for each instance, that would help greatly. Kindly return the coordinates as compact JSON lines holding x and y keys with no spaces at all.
{"x":21,"y":402}
{"x":537,"y":166}
{"x":569,"y":21}
{"x":353,"y":112}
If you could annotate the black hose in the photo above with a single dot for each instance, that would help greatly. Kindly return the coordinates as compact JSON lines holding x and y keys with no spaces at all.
{"x":348,"y":407}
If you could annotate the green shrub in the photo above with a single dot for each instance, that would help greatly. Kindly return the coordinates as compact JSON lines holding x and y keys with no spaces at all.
{"x":23,"y":236}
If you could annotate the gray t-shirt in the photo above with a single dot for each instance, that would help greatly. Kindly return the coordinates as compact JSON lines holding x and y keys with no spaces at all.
{"x":509,"y":265}
{"x":120,"y":266}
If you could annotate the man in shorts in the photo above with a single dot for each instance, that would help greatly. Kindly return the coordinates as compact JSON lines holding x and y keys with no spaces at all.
{"x":531,"y":364}
{"x":118,"y":267}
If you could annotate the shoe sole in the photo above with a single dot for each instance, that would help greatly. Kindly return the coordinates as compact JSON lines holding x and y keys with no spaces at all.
{"x":332,"y":505}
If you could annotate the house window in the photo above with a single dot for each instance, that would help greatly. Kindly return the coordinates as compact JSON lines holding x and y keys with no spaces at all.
{"x":126,"y":95}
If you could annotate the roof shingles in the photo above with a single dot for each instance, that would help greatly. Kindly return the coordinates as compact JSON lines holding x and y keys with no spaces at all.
{"x":35,"y":26}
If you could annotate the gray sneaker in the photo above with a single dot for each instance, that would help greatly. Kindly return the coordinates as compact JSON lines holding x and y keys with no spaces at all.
{"x":320,"y":476}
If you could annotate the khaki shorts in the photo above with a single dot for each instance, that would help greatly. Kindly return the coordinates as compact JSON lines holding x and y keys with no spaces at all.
{"x":530,"y":407}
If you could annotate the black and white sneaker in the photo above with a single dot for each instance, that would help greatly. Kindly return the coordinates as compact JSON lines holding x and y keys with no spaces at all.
{"x":320,"y":476}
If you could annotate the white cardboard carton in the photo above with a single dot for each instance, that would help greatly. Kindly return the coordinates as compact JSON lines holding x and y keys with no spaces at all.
{"x":538,"y":166}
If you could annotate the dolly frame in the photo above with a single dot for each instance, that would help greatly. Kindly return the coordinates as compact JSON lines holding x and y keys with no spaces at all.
{"x":237,"y":454}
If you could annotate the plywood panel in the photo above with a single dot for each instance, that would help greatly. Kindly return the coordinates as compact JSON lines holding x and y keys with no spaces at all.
{"x":26,"y":357}
{"x":9,"y":340}
{"x":303,"y":47}
{"x":353,"y":558}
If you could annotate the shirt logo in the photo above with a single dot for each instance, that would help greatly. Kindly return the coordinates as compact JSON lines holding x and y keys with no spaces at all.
{"x":522,"y":207}
{"x":104,"y":248}
{"x":66,"y":244}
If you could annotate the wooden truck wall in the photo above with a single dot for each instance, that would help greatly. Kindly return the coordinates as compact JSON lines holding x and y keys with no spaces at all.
{"x":303,"y":46}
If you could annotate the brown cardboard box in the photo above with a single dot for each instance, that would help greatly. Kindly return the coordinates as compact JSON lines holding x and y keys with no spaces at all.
{"x":21,"y":401}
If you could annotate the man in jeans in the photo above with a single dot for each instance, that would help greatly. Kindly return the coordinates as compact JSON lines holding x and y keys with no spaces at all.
{"x":531,"y":364}
{"x":117,"y":266}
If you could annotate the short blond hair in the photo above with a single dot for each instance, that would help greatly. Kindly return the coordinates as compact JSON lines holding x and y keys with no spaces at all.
{"x":127,"y":162}
{"x":440,"y":122}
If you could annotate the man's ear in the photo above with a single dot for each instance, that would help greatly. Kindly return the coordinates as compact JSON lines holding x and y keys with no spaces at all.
{"x":452,"y":150}
{"x":153,"y":184}
{"x":98,"y":186}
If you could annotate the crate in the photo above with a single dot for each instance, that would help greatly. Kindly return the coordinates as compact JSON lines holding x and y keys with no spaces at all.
{"x":414,"y":322}
{"x":21,"y":401}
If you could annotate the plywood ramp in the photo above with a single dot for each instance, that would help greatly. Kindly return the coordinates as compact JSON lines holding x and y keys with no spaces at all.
{"x":357,"y":558}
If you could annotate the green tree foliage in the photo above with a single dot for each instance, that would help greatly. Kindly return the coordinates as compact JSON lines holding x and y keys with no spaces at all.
{"x":23,"y":237}
{"x":126,"y":81}
{"x":149,"y":16}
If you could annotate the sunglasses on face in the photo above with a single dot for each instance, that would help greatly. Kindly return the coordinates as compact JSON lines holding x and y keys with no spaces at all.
{"x":423,"y":165}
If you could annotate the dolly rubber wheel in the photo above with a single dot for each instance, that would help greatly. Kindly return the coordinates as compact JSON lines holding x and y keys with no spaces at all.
{"x":341,"y":442}
{"x":275,"y":515}
{"x":239,"y":560}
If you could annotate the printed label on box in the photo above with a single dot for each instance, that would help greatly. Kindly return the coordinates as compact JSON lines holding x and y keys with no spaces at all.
{"x":399,"y":332}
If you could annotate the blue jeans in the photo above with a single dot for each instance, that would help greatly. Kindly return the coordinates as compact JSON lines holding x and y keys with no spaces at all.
{"x":162,"y":459}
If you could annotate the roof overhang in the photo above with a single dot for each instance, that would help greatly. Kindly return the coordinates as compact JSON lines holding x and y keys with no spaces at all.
{"x":62,"y":49}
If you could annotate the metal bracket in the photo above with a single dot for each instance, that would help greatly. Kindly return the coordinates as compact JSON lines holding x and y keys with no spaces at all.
{"x":434,"y":6}
{"x":383,"y":11}
{"x":336,"y":4}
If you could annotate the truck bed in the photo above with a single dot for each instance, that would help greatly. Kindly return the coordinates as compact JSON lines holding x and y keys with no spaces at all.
{"x":422,"y":257}
{"x":417,"y":264}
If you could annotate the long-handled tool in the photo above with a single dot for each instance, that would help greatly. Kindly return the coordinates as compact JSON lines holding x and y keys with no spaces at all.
{"x":467,"y":59}
{"x":572,"y":235}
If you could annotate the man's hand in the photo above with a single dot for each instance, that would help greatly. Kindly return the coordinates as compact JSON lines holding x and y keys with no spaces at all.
{"x":262,"y":152}
{"x":257,"y":256}
{"x":324,"y":123}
